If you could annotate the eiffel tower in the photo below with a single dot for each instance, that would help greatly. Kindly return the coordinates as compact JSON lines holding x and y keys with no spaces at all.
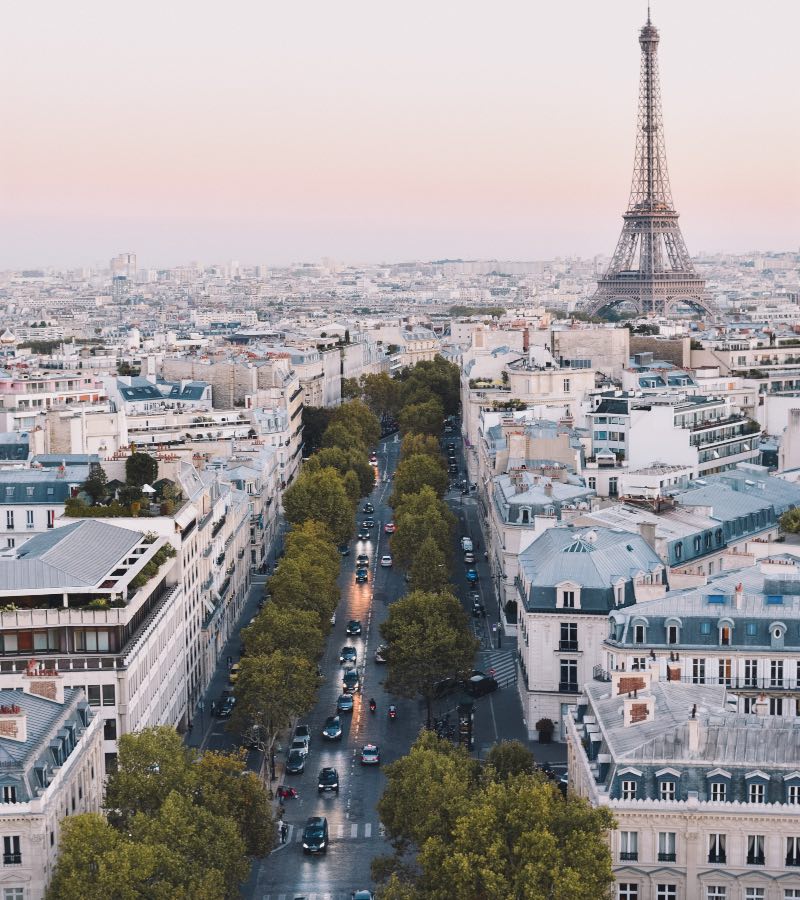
{"x":651,"y":268}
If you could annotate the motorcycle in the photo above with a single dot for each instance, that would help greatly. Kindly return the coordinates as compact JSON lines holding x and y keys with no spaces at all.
{"x":392,"y":712}
{"x":287,"y":793}
{"x":372,"y":706}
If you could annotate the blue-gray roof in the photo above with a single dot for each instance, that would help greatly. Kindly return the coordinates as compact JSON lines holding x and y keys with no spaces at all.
{"x":40,"y":486}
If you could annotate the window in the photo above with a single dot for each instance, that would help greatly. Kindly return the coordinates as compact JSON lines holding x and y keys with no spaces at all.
{"x":666,"y":846}
{"x":750,"y":672}
{"x":666,"y":892}
{"x":626,"y":890}
{"x":755,"y":793}
{"x":9,"y":518}
{"x":698,"y":671}
{"x":569,"y":636}
{"x":18,"y":893}
{"x":629,"y":846}
{"x":638,"y":663}
{"x":716,"y":848}
{"x":91,"y":640}
{"x":109,"y":695}
{"x":612,"y":487}
{"x":592,"y":482}
{"x":629,"y":790}
{"x":9,"y":793}
{"x":755,"y":850}
{"x":12,"y":855}
{"x":725,"y":636}
{"x":568,"y":599}
{"x":110,"y":730}
{"x":11,"y":543}
{"x":793,"y":851}
{"x":696,"y":543}
{"x":638,"y":634}
{"x":672,"y":634}
{"x":716,"y":892}
{"x":793,"y":793}
{"x":791,"y":894}
{"x":566,"y":385}
{"x":29,"y":518}
{"x":666,"y":790}
{"x":751,"y":629}
{"x":705,"y":628}
{"x":748,"y":704}
{"x":569,"y":675}
{"x":93,"y":693}
{"x":619,"y":594}
{"x":51,"y":518}
{"x":678,"y":550}
{"x":776,"y":673}
{"x":725,"y":668}
{"x":719,"y":791}
{"x":754,"y":893}
{"x":776,"y":706}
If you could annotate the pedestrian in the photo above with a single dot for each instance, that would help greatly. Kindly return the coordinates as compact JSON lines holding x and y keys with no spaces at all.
{"x":230,"y":663}
{"x":284,"y":832}
{"x":281,"y":811}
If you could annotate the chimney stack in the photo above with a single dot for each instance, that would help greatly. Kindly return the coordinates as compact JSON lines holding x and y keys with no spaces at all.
{"x":548,"y":489}
{"x":761,"y":706}
{"x":647,"y":530}
{"x":694,"y":731}
{"x":738,"y":596}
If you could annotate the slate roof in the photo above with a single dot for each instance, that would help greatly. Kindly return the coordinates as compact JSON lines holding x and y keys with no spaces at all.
{"x":79,"y":555}
{"x":37,"y":486}
{"x":14,"y":445}
{"x":725,"y":503}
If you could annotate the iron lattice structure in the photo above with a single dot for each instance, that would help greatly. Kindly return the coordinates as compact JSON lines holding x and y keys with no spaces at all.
{"x":651,"y":268}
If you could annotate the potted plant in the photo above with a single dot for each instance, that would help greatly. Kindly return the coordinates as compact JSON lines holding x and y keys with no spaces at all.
{"x":545,"y":727}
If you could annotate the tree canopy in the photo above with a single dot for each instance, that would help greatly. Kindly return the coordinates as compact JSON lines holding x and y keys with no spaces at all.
{"x":416,"y":472}
{"x":315,"y":420}
{"x":418,"y":517}
{"x":358,"y":419}
{"x":320,"y":495}
{"x":96,"y":485}
{"x":381,"y":393}
{"x":140,"y":469}
{"x":425,"y":417}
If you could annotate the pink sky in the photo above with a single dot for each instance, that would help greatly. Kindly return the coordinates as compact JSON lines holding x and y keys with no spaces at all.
{"x":272,"y":132}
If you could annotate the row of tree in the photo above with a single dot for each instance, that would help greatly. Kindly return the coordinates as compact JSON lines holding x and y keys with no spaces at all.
{"x":179,"y":826}
{"x":490,"y":831}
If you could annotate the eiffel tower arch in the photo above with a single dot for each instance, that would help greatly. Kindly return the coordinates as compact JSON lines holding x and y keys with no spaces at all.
{"x":651,"y":267}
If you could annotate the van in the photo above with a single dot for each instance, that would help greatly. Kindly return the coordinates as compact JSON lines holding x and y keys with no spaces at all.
{"x":466,"y":544}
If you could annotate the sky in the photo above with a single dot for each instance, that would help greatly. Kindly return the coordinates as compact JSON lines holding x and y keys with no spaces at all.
{"x":274,"y":132}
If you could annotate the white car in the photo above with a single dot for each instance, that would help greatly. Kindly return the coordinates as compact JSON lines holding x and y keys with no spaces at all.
{"x":466,"y":544}
{"x":386,"y":561}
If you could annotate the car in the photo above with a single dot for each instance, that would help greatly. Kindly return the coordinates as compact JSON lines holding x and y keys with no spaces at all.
{"x":362,"y":577}
{"x":233,"y":674}
{"x":389,"y":528}
{"x":315,"y":835}
{"x":328,"y":780}
{"x":373,"y":458}
{"x":370,"y":755}
{"x":332,"y":731}
{"x":351,"y":681}
{"x":345,"y":703}
{"x":368,"y":508}
{"x":479,"y":684}
{"x":444,"y":687}
{"x":466,"y":544}
{"x":362,"y":895}
{"x":348,"y":655}
{"x":469,"y":557}
{"x":364,"y":534}
{"x":386,"y":561}
{"x":302,"y":733}
{"x":300,"y":744}
{"x":295,"y":762}
{"x":362,"y":559}
{"x":225,"y":706}
{"x":453,"y":468}
{"x":354,"y":626}
{"x":380,"y":653}
{"x":472,"y":576}
{"x":451,"y":445}
{"x":344,"y":549}
{"x":368,"y":523}
{"x":478,"y":608}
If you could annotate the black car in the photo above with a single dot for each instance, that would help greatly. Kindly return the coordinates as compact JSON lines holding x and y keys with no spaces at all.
{"x":354,"y":626}
{"x":479,"y":684}
{"x":348,"y":655}
{"x":351,"y":682}
{"x":362,"y":559}
{"x":295,"y":762}
{"x":315,"y":835}
{"x":364,"y":534}
{"x":478,"y":609}
{"x":225,"y":706}
{"x":328,"y":780}
{"x":333,"y":729}
{"x":368,"y":523}
{"x":368,"y":509}
{"x":344,"y":549}
{"x":362,"y":577}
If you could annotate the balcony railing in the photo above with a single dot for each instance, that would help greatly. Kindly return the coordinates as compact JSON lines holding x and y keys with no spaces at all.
{"x":629,"y":856}
{"x":568,"y":645}
{"x":793,"y":861}
{"x":755,"y":859}
{"x":666,"y":857}
{"x":568,"y":687}
{"x":717,"y":858}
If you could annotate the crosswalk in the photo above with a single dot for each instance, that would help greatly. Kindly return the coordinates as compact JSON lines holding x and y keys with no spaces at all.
{"x":503,"y":662}
{"x":349,"y":831}
{"x":314,"y":895}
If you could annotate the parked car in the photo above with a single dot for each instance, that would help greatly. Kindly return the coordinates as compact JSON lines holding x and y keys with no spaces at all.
{"x":344,"y":549}
{"x":225,"y":706}
{"x":351,"y":681}
{"x":332,"y":730}
{"x":477,"y":607}
{"x":354,"y":627}
{"x":345,"y":703}
{"x":302,"y":733}
{"x":380,"y":653}
{"x":233,"y":675}
{"x":389,"y":528}
{"x":362,"y":895}
{"x":295,"y":762}
{"x":469,"y":557}
{"x":300,"y":744}
{"x":386,"y":561}
{"x":472,"y":576}
{"x":370,"y":755}
{"x":315,"y":835}
{"x":466,"y":544}
{"x":348,"y":655}
{"x":328,"y":780}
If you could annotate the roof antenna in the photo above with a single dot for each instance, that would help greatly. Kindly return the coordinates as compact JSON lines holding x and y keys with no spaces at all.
{"x":648,"y":12}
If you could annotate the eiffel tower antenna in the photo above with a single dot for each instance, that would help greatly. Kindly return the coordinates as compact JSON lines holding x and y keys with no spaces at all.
{"x":651,"y":268}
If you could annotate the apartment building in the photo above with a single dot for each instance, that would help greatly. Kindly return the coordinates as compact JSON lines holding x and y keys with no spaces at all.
{"x":768,"y":360}
{"x":51,"y":743}
{"x":26,"y":394}
{"x":705,"y":798}
{"x":569,"y":580}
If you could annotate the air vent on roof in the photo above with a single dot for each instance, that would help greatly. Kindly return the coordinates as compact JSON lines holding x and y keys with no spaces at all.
{"x":774,"y":599}
{"x":716,"y":598}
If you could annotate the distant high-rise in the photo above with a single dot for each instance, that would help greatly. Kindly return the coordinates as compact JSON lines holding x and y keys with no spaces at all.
{"x":651,"y":268}
{"x":123,"y":265}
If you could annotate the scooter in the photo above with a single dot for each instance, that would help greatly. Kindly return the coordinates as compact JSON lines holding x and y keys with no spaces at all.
{"x":392,"y":712}
{"x":287,"y":793}
{"x":372,"y":706}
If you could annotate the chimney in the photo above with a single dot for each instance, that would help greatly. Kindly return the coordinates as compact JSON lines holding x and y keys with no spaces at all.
{"x":548,"y":489}
{"x":738,"y":596}
{"x":42,"y":682}
{"x":694,"y":731}
{"x":13,"y":723}
{"x":647,"y":530}
{"x":761,"y":707}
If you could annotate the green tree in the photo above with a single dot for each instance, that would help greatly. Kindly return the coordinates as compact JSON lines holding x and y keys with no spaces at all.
{"x":381,"y":393}
{"x":509,"y":758}
{"x":422,"y":418}
{"x":270,"y":690}
{"x":790,"y":520}
{"x":351,"y":389}
{"x":428,"y":570}
{"x":352,"y":485}
{"x":315,"y":420}
{"x":313,"y":537}
{"x":416,"y":472}
{"x":520,"y":838}
{"x":322,"y":496}
{"x":429,"y":640}
{"x":344,"y":460}
{"x":304,"y":583}
{"x":418,"y":517}
{"x":96,"y":485}
{"x":140,"y":469}
{"x":424,"y":444}
{"x":432,"y":378}
{"x":359,"y":421}
{"x":292,"y":630}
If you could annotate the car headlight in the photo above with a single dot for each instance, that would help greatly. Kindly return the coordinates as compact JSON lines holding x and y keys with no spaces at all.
{"x":305,"y":846}
{"x":321,"y":844}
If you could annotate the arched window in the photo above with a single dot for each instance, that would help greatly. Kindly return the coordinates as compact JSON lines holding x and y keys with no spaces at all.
{"x":679,"y":550}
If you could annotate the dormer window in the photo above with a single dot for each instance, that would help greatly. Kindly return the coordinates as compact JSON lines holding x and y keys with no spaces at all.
{"x":725,"y":633}
{"x":525,"y":516}
{"x":568,"y":595}
{"x":755,"y":793}
{"x":639,"y":633}
{"x":619,"y":593}
{"x":666,"y":790}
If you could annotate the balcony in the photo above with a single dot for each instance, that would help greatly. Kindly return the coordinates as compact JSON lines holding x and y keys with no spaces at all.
{"x":666,"y":857}
{"x":568,"y":646}
{"x":12,"y":859}
{"x":755,"y":859}
{"x":717,"y":858}
{"x":793,"y":861}
{"x":568,"y":687}
{"x":629,"y":856}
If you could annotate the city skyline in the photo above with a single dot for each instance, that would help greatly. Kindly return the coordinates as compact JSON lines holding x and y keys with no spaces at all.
{"x":274,"y":137}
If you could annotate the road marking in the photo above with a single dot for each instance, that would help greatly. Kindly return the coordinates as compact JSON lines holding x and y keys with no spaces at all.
{"x":340,"y":830}
{"x":353,"y":830}
{"x":368,"y":830}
